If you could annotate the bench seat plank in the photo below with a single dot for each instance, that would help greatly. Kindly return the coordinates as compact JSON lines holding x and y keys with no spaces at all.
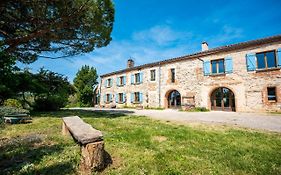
{"x":81,"y":131}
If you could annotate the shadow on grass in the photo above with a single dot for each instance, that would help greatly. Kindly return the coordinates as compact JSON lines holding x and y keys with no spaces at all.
{"x":17,"y":153}
{"x":83,"y":113}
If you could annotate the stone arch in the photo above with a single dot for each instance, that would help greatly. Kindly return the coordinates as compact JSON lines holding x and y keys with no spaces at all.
{"x":222,"y":98}
{"x":173,"y":99}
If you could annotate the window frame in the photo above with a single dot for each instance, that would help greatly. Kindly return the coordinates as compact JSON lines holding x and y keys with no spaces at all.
{"x":120,"y":100}
{"x":275,"y":93}
{"x":121,"y":81}
{"x":217,"y":66}
{"x":109,"y":82}
{"x":153,"y":72}
{"x":108,"y":98}
{"x":265,"y":60}
{"x":137,"y":77}
{"x":173,"y":75}
{"x":136,"y":97}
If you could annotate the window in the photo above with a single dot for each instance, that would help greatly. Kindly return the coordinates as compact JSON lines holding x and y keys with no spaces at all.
{"x":109,"y":82}
{"x":271,"y":94}
{"x":266,"y":60}
{"x":108,"y":98}
{"x":137,"y":97}
{"x":152,"y":75}
{"x":137,"y":78}
{"x":217,"y":66}
{"x":173,"y":75}
{"x":121,"y":97}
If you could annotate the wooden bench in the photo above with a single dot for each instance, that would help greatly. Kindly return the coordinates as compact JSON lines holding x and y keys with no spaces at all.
{"x":90,"y":140}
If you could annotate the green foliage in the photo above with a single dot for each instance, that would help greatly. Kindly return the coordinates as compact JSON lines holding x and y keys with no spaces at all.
{"x":32,"y":29}
{"x":84,"y":81}
{"x":7,"y":110}
{"x":12,"y":103}
{"x":154,"y":108}
{"x":49,"y":102}
{"x":197,"y":109}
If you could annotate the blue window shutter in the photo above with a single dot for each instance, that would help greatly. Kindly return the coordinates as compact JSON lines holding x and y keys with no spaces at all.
{"x":132,"y":97}
{"x":116,"y":98}
{"x":110,"y":97}
{"x":111,"y":82}
{"x":104,"y":98}
{"x":105,"y":83}
{"x":124,"y":80}
{"x":207,"y":67}
{"x":251,"y":62}
{"x":124,"y":97}
{"x":117,"y":81}
{"x":279,"y":57}
{"x":141,"y":77}
{"x":132,"y":78}
{"x":140,"y":97}
{"x":228,"y":65}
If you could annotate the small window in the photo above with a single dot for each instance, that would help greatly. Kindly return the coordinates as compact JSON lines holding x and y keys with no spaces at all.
{"x":137,"y":78}
{"x":108,"y":97}
{"x":271,"y":94}
{"x":266,"y":60}
{"x":173,"y":75}
{"x":137,"y":97}
{"x":121,"y":81}
{"x":120,"y":97}
{"x":218,"y":66}
{"x":152,"y":75}
{"x":109,"y":82}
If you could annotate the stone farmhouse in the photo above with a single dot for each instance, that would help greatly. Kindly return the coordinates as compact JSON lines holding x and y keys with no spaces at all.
{"x":241,"y":77}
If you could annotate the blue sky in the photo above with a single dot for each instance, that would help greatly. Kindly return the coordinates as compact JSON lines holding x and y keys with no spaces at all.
{"x":153,"y":30}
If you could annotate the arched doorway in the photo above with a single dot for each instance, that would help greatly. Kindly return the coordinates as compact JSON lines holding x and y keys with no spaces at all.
{"x":222,"y":99}
{"x":174,"y":99}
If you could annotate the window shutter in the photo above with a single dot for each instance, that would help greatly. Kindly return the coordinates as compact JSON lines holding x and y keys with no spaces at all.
{"x":124,"y":80}
{"x":124,"y":97}
{"x":140,"y":97}
{"x":132,"y":97}
{"x":111,"y":82}
{"x":207,"y":66}
{"x":110,"y":97}
{"x":104,"y":98}
{"x":141,"y":77}
{"x":251,"y":61}
{"x":132,"y":78}
{"x":279,"y":57}
{"x":105,"y":83}
{"x":118,"y":81}
{"x":228,"y":65}
{"x":116,"y":98}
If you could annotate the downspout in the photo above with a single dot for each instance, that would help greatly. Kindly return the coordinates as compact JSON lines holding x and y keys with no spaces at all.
{"x":159,"y":86}
{"x":100,"y":91}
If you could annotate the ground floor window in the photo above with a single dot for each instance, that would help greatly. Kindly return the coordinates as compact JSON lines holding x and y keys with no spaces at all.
{"x":136,"y":97}
{"x":120,"y":97}
{"x":271,"y":94}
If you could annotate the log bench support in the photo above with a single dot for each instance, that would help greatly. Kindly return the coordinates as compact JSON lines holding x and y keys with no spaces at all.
{"x":91,"y":143}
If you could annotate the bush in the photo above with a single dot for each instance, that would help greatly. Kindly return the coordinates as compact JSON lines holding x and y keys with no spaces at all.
{"x":197,"y":109}
{"x":12,"y":103}
{"x":7,"y":110}
{"x":50,"y":103}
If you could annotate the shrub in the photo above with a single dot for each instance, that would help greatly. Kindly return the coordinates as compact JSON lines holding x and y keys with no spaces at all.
{"x":12,"y":103}
{"x":7,"y":110}
{"x":197,"y":109}
{"x":50,"y":103}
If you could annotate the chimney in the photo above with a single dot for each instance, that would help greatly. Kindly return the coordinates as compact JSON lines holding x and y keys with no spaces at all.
{"x":130,"y":63}
{"x":204,"y":46}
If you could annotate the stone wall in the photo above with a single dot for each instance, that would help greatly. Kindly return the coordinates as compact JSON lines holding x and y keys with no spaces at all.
{"x":249,"y":88}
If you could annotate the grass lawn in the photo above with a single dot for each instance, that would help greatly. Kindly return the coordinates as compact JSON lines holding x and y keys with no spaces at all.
{"x":139,"y":145}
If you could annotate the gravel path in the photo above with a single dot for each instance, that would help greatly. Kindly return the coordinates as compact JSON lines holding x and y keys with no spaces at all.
{"x":268,"y":122}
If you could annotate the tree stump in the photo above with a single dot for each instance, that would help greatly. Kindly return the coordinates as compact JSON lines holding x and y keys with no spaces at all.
{"x":92,"y":157}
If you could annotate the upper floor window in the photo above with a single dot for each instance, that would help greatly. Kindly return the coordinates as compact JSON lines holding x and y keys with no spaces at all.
{"x":136,"y":78}
{"x":266,"y":60}
{"x":121,"y":81}
{"x":271,"y":94}
{"x":217,"y":66}
{"x":152,"y":75}
{"x":173,"y":75}
{"x":108,"y":82}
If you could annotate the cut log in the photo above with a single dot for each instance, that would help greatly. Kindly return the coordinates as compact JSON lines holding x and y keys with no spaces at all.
{"x":81,"y":131}
{"x":92,"y":157}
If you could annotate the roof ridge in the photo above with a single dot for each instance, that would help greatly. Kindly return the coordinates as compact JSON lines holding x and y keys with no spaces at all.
{"x":218,"y":49}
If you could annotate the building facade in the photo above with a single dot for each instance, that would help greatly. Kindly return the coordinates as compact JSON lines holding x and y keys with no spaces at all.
{"x":242,"y":77}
